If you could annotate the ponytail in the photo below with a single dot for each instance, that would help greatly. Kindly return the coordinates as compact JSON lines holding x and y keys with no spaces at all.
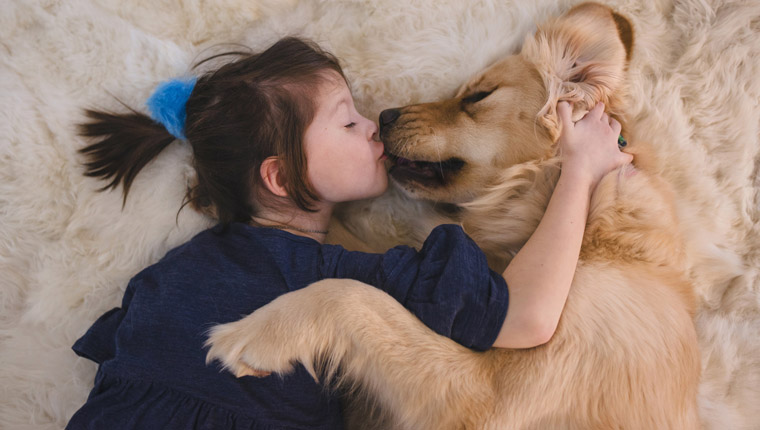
{"x":126,"y":143}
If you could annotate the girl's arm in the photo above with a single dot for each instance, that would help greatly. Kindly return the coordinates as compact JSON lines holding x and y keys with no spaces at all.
{"x":540,"y":275}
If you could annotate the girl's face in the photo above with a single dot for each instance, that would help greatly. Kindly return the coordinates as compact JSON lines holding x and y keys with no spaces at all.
{"x":344,"y":161}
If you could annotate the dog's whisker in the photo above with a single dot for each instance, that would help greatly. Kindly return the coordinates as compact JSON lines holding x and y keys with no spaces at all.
{"x":440,"y":161}
{"x":405,"y":147}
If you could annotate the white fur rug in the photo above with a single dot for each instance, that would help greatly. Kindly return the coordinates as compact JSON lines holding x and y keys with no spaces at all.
{"x":67,"y":252}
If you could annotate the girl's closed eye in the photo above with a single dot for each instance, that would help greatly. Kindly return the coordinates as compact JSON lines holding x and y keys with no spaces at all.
{"x":350,"y":125}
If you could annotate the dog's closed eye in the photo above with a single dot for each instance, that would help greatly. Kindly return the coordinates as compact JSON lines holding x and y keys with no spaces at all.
{"x":476,"y":97}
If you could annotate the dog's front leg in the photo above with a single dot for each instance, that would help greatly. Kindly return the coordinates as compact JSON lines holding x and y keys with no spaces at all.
{"x":421,"y":379}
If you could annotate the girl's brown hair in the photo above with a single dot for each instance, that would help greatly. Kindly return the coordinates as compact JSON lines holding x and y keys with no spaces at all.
{"x":237,"y":116}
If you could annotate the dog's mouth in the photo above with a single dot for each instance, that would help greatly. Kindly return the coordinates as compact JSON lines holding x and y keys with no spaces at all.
{"x":426,"y":173}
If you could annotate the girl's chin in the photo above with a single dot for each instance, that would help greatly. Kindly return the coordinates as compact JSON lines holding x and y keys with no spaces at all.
{"x":379,"y":189}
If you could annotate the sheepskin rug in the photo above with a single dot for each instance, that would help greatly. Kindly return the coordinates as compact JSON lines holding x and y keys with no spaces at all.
{"x":67,"y":251}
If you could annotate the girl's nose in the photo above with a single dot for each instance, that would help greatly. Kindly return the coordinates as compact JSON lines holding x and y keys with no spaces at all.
{"x":372,"y":129}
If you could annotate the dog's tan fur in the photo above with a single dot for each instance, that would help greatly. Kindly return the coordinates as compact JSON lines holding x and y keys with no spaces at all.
{"x":625,"y":352}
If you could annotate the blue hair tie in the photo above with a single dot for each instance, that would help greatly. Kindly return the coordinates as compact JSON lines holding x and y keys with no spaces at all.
{"x":167,"y":105}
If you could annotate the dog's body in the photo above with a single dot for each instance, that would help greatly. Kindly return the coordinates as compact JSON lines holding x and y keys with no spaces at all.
{"x":625,"y":352}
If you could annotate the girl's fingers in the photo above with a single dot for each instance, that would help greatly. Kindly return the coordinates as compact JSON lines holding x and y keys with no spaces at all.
{"x":627,"y":158}
{"x":616,"y":127}
{"x":597,"y":111}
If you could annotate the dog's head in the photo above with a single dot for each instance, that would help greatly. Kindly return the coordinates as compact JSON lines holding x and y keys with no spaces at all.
{"x":450,"y":150}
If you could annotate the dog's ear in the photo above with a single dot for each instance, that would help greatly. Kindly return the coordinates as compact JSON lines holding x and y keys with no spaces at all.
{"x":582,"y":57}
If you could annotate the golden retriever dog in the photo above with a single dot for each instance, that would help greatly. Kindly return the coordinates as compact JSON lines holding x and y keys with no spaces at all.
{"x":625,"y":352}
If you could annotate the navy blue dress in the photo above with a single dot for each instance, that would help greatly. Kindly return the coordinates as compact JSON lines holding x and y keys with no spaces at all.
{"x":153,"y":374}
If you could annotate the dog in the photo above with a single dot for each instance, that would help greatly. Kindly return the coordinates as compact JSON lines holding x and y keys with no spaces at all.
{"x":625,"y":353}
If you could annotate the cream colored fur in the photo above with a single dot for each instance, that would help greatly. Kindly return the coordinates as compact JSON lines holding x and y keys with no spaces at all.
{"x":66,"y":252}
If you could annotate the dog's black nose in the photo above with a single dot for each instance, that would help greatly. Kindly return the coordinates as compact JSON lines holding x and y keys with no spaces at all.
{"x":388,"y":116}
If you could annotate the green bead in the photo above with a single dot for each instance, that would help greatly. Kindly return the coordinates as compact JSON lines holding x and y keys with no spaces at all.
{"x":621,"y":141}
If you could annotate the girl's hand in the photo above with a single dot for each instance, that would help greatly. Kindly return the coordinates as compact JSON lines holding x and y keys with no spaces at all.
{"x":589,"y":146}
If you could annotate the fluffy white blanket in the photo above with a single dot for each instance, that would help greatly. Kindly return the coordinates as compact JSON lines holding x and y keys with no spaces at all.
{"x":67,"y":251}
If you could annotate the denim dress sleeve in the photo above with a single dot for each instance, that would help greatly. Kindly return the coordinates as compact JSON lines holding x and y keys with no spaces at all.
{"x":447,"y":284}
{"x":99,"y":343}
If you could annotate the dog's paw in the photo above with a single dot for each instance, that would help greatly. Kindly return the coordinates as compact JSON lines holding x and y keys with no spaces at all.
{"x":252,"y":346}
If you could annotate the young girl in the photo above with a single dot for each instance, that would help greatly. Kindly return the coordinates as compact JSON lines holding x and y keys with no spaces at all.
{"x":277,"y":142}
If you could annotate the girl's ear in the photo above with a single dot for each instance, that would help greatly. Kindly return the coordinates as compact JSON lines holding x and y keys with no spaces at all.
{"x":272,"y":178}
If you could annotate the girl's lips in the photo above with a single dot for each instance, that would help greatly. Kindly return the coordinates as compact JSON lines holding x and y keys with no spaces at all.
{"x":380,"y":148}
